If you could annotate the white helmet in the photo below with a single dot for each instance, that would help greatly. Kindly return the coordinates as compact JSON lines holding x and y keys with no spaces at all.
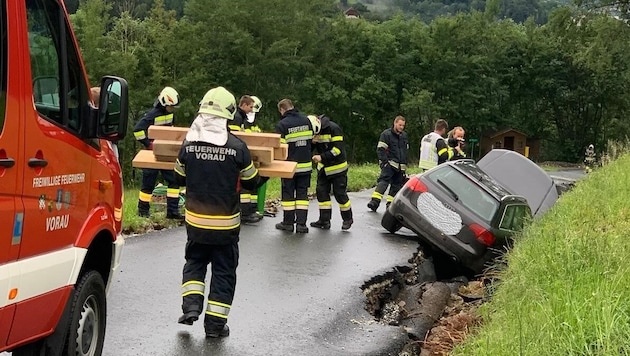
{"x":316,"y":123}
{"x":219,"y":102}
{"x":168,"y":97}
{"x":257,"y":104}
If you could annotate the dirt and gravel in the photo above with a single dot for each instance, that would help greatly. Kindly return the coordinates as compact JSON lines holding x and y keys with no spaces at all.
{"x":437,"y":312}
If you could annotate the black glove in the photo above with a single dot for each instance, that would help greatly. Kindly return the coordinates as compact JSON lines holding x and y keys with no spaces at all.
{"x":262,"y":180}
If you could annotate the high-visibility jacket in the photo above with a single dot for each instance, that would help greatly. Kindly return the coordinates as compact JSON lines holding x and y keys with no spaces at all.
{"x":156,"y":116}
{"x":433,"y":151}
{"x":393,"y":148}
{"x":211,"y":175}
{"x":329,"y":145}
{"x":295,"y":130}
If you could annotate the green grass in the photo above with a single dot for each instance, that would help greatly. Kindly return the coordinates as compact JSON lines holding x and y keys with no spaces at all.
{"x":565,"y":290}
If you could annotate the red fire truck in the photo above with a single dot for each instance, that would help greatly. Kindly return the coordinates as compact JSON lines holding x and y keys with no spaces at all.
{"x":60,"y":185}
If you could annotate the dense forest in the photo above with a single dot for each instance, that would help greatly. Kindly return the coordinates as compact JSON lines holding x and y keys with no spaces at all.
{"x":561,"y":79}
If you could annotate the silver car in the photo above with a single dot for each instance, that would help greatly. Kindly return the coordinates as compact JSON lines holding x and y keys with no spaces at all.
{"x":460,"y":210}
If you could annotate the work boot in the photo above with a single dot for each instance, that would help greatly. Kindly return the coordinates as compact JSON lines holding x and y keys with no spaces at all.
{"x":222,"y":332}
{"x":324,"y":225}
{"x":346,"y":224}
{"x":251,"y":218}
{"x":301,"y":229}
{"x":143,"y":214}
{"x":284,"y":227}
{"x":175,"y":216}
{"x":189,"y":318}
{"x":373,"y":205}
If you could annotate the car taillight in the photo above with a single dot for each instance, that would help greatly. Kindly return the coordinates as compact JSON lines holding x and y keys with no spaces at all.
{"x":416,"y":185}
{"x":482,"y":235}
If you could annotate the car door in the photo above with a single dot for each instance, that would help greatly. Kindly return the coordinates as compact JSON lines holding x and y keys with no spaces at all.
{"x":56,"y":164}
{"x":11,"y":213}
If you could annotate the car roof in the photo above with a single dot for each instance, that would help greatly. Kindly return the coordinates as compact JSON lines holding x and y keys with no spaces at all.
{"x":522,"y":176}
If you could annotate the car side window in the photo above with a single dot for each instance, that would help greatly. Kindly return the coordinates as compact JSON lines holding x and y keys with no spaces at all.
{"x":59,"y":91}
{"x":3,"y":64}
{"x":514,"y":217}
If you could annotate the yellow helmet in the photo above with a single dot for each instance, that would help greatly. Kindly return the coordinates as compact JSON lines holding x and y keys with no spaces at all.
{"x":316,"y":123}
{"x":168,"y":97}
{"x":219,"y":102}
{"x":257,"y":104}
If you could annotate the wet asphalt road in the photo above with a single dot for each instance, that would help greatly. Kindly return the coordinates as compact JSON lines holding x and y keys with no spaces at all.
{"x":295,"y":295}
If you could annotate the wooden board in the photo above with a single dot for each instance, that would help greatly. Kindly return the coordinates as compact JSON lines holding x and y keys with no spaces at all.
{"x":282,"y":152}
{"x":166,"y":148}
{"x":146,"y":159}
{"x":261,"y":154}
{"x":279,"y":169}
{"x":173,"y":133}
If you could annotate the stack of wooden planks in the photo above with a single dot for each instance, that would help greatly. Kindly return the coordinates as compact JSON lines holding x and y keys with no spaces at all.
{"x":267,"y":152}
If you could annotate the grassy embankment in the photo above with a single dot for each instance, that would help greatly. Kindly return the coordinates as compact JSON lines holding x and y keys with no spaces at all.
{"x":359,"y":177}
{"x":565,"y":290}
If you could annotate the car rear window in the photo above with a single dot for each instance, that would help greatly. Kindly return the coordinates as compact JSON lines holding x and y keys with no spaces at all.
{"x":464,"y":190}
{"x":483,"y":178}
{"x":514,"y":217}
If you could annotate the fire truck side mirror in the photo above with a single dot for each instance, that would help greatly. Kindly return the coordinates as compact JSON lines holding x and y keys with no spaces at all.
{"x":113,"y":110}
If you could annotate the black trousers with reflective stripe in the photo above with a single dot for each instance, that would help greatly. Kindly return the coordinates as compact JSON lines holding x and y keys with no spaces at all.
{"x":149,"y":178}
{"x":392,"y":178}
{"x":249,"y":208}
{"x":339,"y":184}
{"x":223,"y":260}
{"x":292,"y":190}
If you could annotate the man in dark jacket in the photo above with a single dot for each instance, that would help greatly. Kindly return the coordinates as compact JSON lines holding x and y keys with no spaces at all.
{"x":332,"y":171}
{"x":211,"y":163}
{"x":249,"y":198}
{"x":160,"y":115}
{"x":392,"y":149}
{"x":295,"y":130}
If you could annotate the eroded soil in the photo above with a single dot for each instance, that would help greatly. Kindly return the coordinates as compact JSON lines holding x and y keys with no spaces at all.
{"x":436,"y":314}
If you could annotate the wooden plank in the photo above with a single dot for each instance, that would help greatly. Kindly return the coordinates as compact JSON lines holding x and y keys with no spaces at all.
{"x":259,"y":138}
{"x":278,"y":169}
{"x":146,"y":159}
{"x":282,"y":152}
{"x":173,"y":133}
{"x":261,"y":154}
{"x":166,"y":148}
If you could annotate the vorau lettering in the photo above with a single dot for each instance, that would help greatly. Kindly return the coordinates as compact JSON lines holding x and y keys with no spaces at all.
{"x":57,"y":222}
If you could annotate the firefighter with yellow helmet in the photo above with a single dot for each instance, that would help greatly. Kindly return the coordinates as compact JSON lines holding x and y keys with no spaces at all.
{"x":212,"y":163}
{"x":160,"y":115}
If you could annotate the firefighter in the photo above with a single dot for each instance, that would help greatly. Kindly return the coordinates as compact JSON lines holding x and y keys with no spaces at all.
{"x":332,"y":171}
{"x":249,"y":198}
{"x":295,"y":130}
{"x":250,"y":124}
{"x":434,"y":149}
{"x":245,"y":106}
{"x":160,"y":115}
{"x":392,"y":149}
{"x":211,"y":163}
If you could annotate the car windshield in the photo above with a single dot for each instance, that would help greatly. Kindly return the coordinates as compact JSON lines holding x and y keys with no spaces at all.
{"x":464,"y":190}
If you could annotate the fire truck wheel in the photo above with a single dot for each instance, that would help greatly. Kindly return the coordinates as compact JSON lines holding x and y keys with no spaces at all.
{"x":87,"y":319}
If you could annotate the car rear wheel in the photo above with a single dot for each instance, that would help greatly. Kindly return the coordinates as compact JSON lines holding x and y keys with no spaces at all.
{"x":390,"y":223}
